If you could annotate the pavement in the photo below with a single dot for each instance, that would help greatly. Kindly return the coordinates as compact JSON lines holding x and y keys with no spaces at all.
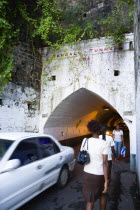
{"x":122,"y":192}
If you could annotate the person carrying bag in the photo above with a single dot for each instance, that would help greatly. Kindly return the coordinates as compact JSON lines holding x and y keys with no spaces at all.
{"x":95,"y":175}
{"x":83,"y":156}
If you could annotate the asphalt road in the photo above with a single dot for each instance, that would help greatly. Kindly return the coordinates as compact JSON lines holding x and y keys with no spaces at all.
{"x":71,"y":197}
{"x":53,"y":198}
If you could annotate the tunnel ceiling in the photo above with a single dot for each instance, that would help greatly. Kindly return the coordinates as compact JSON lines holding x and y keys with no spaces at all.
{"x":80,"y":104}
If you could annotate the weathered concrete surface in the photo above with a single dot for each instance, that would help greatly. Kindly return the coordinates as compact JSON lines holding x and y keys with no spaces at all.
{"x":71,"y":197}
{"x":20,"y":100}
{"x":137,"y":78}
{"x":19,"y":109}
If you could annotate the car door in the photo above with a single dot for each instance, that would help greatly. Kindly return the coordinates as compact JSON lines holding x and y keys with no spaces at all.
{"x":22,"y":183}
{"x":52,"y":160}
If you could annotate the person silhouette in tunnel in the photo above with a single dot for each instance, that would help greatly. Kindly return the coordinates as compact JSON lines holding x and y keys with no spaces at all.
{"x":95,"y":178}
{"x":119,"y":140}
{"x":109,"y":140}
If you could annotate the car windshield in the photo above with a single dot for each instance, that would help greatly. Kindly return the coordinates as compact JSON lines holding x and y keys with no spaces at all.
{"x":4,"y":145}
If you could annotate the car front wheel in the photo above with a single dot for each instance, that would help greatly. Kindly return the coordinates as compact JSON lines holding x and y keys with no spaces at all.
{"x":63,"y":177}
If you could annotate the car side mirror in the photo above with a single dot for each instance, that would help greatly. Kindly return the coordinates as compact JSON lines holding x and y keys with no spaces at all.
{"x":11,"y":165}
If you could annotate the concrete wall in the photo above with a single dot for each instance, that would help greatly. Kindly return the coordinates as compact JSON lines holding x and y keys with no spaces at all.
{"x":91,"y":65}
{"x":19,"y":109}
{"x":137,"y":75}
{"x":20,"y":100}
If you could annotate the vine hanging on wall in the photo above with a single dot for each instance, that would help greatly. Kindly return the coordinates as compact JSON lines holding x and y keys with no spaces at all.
{"x":55,"y":23}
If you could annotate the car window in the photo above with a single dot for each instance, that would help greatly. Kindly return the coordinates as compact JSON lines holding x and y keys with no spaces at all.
{"x":26,"y":152}
{"x":4,"y":146}
{"x":48,"y":147}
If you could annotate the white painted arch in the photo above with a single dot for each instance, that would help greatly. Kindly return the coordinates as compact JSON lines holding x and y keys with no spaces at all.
{"x":78,"y":104}
{"x":87,"y":69}
{"x":70,"y":117}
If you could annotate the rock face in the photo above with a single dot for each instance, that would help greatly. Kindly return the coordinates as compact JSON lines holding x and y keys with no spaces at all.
{"x":27,"y":67}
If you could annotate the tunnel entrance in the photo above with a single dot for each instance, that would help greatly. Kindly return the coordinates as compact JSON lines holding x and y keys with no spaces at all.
{"x":68,"y":121}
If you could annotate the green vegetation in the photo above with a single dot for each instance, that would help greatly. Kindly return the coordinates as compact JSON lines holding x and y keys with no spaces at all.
{"x":54,"y":23}
{"x":7,"y":40}
{"x":119,"y":22}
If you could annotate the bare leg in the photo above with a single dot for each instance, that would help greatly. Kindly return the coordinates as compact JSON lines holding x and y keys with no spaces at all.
{"x":103,"y":202}
{"x":109,"y":170}
{"x":89,"y":206}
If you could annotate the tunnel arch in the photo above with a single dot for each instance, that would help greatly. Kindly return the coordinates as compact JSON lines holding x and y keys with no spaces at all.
{"x":94,"y":75}
{"x":70,"y":117}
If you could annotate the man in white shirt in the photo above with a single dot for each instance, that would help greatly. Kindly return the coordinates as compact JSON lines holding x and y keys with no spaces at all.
{"x":118,"y":139}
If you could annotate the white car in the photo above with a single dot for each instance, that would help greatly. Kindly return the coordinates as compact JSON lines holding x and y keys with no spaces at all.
{"x":29,"y":164}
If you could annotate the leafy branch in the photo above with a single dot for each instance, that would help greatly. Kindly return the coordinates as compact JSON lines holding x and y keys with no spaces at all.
{"x":54,"y":23}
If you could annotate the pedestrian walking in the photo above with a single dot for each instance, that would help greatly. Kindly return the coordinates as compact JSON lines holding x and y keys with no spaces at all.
{"x":95,"y":179}
{"x":119,"y":140}
{"x":109,"y":140}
